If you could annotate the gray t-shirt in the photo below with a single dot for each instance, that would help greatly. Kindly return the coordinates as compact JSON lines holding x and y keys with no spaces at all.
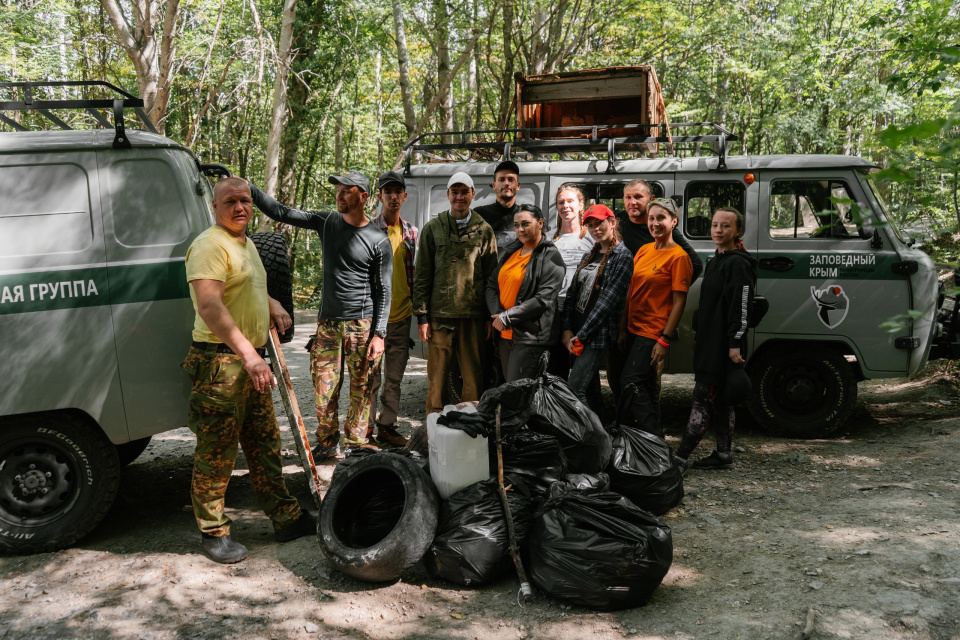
{"x":572,"y":249}
{"x":357,"y":262}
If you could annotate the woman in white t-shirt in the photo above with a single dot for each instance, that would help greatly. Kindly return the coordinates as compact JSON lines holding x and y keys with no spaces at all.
{"x":573,"y":242}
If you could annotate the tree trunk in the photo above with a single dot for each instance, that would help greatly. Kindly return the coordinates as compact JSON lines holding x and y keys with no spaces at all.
{"x":284,"y":54}
{"x":441,"y":30}
{"x":409,"y":119}
{"x":154,"y":69}
{"x":507,"y":83}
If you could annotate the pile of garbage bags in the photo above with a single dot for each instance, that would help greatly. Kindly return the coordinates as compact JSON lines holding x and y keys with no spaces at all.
{"x":583,"y":499}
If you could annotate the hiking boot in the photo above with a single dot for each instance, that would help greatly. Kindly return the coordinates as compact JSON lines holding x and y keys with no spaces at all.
{"x":321,"y":453}
{"x":388,"y":438}
{"x":306,"y":525}
{"x":715,"y":460}
{"x":222,"y":549}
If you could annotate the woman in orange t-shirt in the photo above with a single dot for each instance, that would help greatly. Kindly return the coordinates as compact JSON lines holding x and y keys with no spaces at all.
{"x":522,"y":295}
{"x":662,"y":272}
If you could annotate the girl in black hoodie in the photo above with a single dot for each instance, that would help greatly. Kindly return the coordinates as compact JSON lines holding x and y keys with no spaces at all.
{"x":728,"y":285}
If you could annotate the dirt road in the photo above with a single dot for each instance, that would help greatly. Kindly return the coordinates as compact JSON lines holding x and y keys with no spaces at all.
{"x":858,"y":534}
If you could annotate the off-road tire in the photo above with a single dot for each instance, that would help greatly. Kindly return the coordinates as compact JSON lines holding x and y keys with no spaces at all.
{"x":802,"y":391}
{"x":348,"y":548}
{"x":130,"y":451}
{"x":68,"y":457}
{"x":273,"y":254}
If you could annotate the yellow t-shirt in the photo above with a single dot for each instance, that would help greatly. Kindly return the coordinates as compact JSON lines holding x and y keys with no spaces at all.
{"x":401,"y":305}
{"x":217,"y":255}
{"x":510,"y":278}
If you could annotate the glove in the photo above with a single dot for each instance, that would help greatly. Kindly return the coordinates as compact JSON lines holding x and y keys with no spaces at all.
{"x":472,"y":424}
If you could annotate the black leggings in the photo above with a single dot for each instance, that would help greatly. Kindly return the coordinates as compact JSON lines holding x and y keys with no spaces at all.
{"x":708,"y":407}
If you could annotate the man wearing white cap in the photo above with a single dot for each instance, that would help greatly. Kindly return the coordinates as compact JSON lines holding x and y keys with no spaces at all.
{"x":457,"y":254}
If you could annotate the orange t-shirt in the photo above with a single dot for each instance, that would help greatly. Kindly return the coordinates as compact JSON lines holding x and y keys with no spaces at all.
{"x":509,"y":279}
{"x":656,"y":275}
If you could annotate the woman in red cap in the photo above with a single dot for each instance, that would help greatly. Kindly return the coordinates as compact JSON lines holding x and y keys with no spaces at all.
{"x":594,"y":303}
{"x":662,"y":273}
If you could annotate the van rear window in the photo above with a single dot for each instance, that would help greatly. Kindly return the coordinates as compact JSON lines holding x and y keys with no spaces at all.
{"x":145,"y":200}
{"x":44,"y":209}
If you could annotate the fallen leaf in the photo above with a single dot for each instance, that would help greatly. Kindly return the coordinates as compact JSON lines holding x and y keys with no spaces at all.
{"x":830,"y":526}
{"x":457,"y":616}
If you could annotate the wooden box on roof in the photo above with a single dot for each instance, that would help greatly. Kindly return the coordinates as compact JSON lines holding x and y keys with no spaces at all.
{"x":608,"y":96}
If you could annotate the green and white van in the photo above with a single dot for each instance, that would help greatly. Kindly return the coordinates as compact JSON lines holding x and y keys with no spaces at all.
{"x":833,"y":265}
{"x":95,"y":311}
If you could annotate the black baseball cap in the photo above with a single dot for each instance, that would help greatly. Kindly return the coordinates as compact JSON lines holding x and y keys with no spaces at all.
{"x":352,"y":179}
{"x":391,"y":176}
{"x":507,"y":165}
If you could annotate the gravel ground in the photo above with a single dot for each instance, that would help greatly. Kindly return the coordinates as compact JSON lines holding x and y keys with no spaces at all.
{"x":858,"y":534}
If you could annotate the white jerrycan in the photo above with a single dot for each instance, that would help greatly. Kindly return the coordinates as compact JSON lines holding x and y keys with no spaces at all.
{"x":456,"y":459}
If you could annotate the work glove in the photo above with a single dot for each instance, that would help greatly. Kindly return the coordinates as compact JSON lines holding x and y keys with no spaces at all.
{"x":472,"y":424}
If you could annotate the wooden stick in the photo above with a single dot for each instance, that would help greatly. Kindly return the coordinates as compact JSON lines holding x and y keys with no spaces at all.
{"x":279,"y":365}
{"x":808,"y":628}
{"x":525,"y":589}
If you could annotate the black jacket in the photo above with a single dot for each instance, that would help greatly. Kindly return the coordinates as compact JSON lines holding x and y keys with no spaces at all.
{"x":729,"y":282}
{"x":532,"y":318}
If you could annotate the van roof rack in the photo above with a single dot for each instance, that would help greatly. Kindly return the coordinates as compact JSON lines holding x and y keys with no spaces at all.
{"x":572,"y":143}
{"x":44,"y":107}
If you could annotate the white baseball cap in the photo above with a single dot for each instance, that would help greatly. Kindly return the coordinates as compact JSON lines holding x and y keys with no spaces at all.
{"x":460,"y":178}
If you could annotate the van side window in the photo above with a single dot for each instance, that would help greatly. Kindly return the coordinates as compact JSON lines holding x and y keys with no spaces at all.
{"x":146,"y":204}
{"x":703,"y":198}
{"x":812,"y":209}
{"x":44,"y":209}
{"x":611,"y":194}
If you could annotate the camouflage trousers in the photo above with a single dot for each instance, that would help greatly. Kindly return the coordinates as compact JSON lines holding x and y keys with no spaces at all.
{"x":342,"y":343}
{"x":226,"y":411}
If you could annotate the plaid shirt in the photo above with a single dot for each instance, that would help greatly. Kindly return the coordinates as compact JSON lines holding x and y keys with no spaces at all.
{"x":409,"y":237}
{"x":602,"y":323}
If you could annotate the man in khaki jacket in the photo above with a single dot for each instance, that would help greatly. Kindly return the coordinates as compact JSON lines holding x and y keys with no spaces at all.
{"x":457,"y":254}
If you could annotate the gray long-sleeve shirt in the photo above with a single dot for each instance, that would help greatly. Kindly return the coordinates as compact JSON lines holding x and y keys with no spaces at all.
{"x":357,"y":262}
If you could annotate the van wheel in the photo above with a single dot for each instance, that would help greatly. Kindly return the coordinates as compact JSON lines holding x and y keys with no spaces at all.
{"x":58,"y":477}
{"x":130,"y":451}
{"x":378,"y":517}
{"x":273,"y":254}
{"x":802,"y":391}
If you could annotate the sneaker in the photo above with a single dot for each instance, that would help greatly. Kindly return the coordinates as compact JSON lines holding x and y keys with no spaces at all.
{"x":321,"y":453}
{"x":715,"y":460}
{"x":306,"y":525}
{"x":387,"y":437}
{"x":222,"y":549}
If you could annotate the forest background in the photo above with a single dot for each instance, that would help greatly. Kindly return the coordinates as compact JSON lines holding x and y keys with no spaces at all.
{"x":286,"y":92}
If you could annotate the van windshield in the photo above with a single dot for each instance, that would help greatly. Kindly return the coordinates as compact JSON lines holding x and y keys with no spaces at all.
{"x":878,"y":194}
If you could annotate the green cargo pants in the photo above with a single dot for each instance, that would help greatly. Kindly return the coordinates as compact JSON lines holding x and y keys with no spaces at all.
{"x":226,"y":410}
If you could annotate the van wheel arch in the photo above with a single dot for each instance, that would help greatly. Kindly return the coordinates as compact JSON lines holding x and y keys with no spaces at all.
{"x":802,"y":389}
{"x":59,"y":476}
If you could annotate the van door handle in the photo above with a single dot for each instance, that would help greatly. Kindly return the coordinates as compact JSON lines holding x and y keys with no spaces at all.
{"x":780,"y":263}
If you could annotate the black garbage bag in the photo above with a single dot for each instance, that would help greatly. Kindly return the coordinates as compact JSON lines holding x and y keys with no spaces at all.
{"x":588,"y":482}
{"x":597,"y":550}
{"x":558,"y":412}
{"x":472,"y":546}
{"x":535,"y":458}
{"x":643,"y":470}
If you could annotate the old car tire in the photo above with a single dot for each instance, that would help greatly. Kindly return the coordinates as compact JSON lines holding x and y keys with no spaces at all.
{"x":383,"y":552}
{"x":58,"y":477}
{"x":273,"y":254}
{"x":802,"y":391}
{"x":130,"y":451}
